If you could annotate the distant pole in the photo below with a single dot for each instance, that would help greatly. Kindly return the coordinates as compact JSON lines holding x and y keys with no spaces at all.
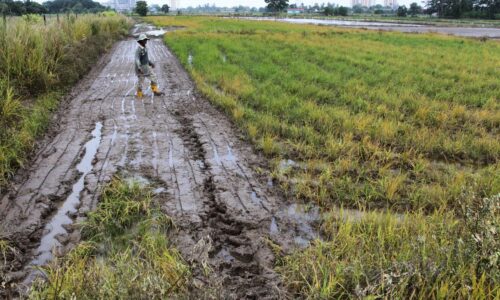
{"x":4,"y":19}
{"x":57,"y":18}
{"x":44,"y":19}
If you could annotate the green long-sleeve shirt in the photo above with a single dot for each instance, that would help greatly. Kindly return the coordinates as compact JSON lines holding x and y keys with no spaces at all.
{"x":142,"y":60}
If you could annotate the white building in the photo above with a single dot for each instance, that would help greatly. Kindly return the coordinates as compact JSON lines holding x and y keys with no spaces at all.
{"x":364,"y":3}
{"x":391,"y":3}
{"x":122,"y":5}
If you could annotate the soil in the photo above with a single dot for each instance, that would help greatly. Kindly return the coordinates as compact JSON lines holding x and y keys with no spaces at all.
{"x":213,"y":183}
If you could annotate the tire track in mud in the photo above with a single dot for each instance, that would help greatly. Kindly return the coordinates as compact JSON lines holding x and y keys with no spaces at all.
{"x":225,"y":213}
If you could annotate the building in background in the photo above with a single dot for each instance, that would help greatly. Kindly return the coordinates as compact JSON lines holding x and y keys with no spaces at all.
{"x":364,"y":3}
{"x":391,"y":3}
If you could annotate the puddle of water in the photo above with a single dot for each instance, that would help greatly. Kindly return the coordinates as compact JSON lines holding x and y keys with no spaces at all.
{"x":133,"y":109}
{"x":285,"y":164}
{"x":159,"y":191}
{"x":303,"y":219}
{"x":156,"y":151}
{"x":216,"y":155}
{"x":171,"y":156}
{"x":155,"y":33}
{"x":225,"y":255}
{"x":115,"y":133}
{"x":56,"y":226}
{"x":273,"y":229}
{"x":141,"y":180}
{"x":255,"y":198}
{"x":301,"y":242}
{"x":336,"y":22}
{"x":230,"y":156}
{"x":270,"y":182}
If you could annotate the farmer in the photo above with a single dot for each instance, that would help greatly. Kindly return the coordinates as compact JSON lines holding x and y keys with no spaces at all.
{"x":143,"y":67}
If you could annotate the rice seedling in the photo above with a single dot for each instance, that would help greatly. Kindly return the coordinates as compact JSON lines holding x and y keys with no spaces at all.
{"x":125,"y":252}
{"x":423,"y":107}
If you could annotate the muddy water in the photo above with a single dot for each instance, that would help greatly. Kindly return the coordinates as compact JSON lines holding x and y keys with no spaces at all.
{"x":203,"y":174}
{"x":57,"y":225}
{"x":410,"y":28}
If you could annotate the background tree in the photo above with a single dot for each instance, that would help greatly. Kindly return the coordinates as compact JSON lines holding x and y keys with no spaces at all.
{"x":402,"y":11}
{"x":328,"y":11}
{"x":276,"y":5}
{"x":415,"y":9}
{"x":341,"y":11}
{"x":141,"y":7}
{"x":357,"y":9}
{"x":165,"y":8}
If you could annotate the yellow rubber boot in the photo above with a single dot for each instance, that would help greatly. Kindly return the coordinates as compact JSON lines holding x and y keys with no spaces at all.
{"x":155,"y":90}
{"x":139,"y":94}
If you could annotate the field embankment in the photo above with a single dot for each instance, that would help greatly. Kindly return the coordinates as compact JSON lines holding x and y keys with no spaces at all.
{"x":407,"y":124}
{"x":38,"y":63}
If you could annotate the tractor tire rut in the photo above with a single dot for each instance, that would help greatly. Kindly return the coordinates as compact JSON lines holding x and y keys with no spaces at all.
{"x":226,"y":212}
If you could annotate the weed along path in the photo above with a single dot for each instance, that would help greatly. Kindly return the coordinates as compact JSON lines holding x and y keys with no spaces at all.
{"x":226,"y":213}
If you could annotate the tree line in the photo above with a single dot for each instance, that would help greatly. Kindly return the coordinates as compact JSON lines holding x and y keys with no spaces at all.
{"x":464,"y":8}
{"x":17,"y":8}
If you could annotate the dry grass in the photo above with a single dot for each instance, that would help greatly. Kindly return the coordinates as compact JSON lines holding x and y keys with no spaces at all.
{"x":37,"y":64}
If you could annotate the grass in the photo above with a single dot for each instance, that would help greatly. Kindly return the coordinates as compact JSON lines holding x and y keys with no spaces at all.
{"x":413,"y":256}
{"x":32,"y":82}
{"x":373,"y":119}
{"x":125,"y":252}
{"x":405,"y":127}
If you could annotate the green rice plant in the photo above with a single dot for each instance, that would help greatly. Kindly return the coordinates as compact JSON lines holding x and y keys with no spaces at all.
{"x":412,"y":256}
{"x":397,"y":115}
{"x":125,"y":253}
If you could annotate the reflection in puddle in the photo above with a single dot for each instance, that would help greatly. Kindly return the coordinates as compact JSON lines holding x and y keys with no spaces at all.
{"x":56,"y":226}
{"x":286,"y":164}
{"x":225,"y":256}
{"x":274,"y":226}
{"x":302,"y":218}
{"x":230,"y":156}
{"x":255,"y":198}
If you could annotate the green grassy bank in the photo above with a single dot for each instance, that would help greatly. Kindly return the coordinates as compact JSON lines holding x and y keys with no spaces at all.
{"x":38,"y":63}
{"x":377,"y":121}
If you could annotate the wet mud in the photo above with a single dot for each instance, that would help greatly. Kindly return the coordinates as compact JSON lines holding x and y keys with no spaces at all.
{"x":227,"y":214}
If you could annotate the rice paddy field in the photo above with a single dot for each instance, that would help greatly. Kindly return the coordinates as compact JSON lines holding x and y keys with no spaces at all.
{"x":404,"y":128}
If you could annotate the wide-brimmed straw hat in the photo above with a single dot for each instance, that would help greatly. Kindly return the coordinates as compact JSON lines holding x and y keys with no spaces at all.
{"x":142,"y":37}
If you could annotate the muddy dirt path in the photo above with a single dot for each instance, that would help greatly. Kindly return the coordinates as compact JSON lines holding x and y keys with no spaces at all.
{"x":225,"y":212}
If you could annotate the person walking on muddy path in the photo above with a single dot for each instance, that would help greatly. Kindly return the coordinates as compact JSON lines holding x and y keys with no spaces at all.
{"x":144,"y":67}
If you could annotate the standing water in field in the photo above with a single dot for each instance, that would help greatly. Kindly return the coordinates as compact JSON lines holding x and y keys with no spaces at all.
{"x":61,"y":219}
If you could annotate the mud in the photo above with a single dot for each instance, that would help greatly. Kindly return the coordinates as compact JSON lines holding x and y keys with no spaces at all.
{"x":227,"y":214}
